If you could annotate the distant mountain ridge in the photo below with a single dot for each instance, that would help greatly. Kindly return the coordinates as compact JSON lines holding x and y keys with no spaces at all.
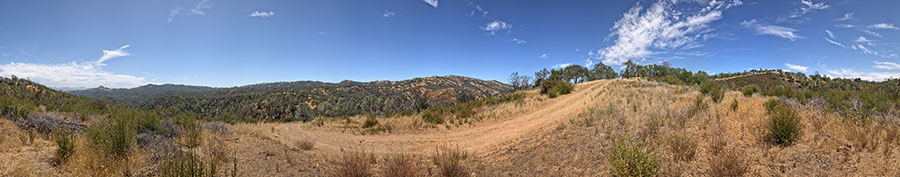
{"x":305,"y":99}
{"x":136,"y":94}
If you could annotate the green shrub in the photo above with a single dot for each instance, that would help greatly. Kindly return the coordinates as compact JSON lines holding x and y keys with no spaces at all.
{"x":714,"y":89}
{"x":748,"y":90}
{"x":772,"y":104}
{"x":370,"y":122}
{"x":116,"y":135}
{"x":699,"y":104}
{"x":187,"y":164}
{"x":450,"y":162}
{"x":629,"y":158}
{"x":433,"y":115}
{"x":683,"y":147}
{"x":65,"y":145}
{"x":193,"y":131}
{"x":554,"y":88}
{"x":784,"y":125}
{"x":734,"y":105}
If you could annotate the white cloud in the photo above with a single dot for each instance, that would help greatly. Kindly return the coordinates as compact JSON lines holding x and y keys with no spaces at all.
{"x":660,"y":27}
{"x":388,"y":13}
{"x":796,"y":67}
{"x":864,"y":40}
{"x":433,"y":3}
{"x":883,"y":26}
{"x":780,"y":31}
{"x":563,"y":65}
{"x":831,"y":35}
{"x":496,"y":25}
{"x":887,"y":65}
{"x":808,"y":6}
{"x":835,"y":42}
{"x":870,"y":76}
{"x":198,"y":9}
{"x":544,"y":56}
{"x":110,"y":54}
{"x":519,"y":41}
{"x":261,"y":14}
{"x":83,"y":74}
{"x":844,"y":25}
{"x":847,"y":17}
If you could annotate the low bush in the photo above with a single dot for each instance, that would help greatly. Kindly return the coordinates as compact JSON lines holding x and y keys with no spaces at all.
{"x":784,"y":124}
{"x":400,"y":165}
{"x":305,"y":145}
{"x":65,"y":145}
{"x":629,"y":158}
{"x":734,"y":105}
{"x":714,"y":89}
{"x":450,"y":162}
{"x":433,"y":115}
{"x":699,"y":103}
{"x":370,"y":122}
{"x":116,"y":135}
{"x":683,"y":147}
{"x":187,"y":164}
{"x":727,"y":163}
{"x":353,"y":163}
{"x":554,"y":88}
{"x":193,"y":132}
{"x":748,"y":90}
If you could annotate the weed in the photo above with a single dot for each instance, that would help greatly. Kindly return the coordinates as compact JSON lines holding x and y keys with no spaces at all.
{"x":65,"y":143}
{"x":116,"y":135}
{"x":353,"y":163}
{"x":784,"y":124}
{"x":305,"y":145}
{"x":727,"y":164}
{"x":714,"y":89}
{"x":734,"y":105}
{"x":748,"y":90}
{"x":400,"y":165}
{"x":187,"y":164}
{"x":629,"y":158}
{"x":683,"y":147}
{"x":450,"y":162}
{"x":370,"y":122}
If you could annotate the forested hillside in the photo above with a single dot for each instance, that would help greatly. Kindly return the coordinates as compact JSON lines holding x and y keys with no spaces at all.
{"x":302,"y":100}
{"x":137,"y":94}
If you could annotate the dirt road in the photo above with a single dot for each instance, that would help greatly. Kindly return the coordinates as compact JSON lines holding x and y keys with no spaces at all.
{"x":481,"y":138}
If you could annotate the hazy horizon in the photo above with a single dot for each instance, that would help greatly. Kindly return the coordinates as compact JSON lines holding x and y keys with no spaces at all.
{"x":226,"y":43}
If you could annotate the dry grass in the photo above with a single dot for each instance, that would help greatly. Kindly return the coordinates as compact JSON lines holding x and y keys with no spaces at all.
{"x":450,"y":162}
{"x":727,"y":163}
{"x":400,"y":165}
{"x":305,"y":145}
{"x":352,"y":163}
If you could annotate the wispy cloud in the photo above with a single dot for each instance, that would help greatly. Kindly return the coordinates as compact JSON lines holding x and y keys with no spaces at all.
{"x":660,"y":27}
{"x":496,"y":25}
{"x":433,"y":3}
{"x":197,"y":9}
{"x":519,"y":41}
{"x":830,"y":34}
{"x":847,"y":17}
{"x":110,"y":54}
{"x":780,"y":31}
{"x":887,"y":65}
{"x":544,"y":56}
{"x":388,"y":13}
{"x":834,"y":42}
{"x":808,"y":6}
{"x":261,"y":14}
{"x":75,"y":74}
{"x":882,"y":26}
{"x":796,"y":67}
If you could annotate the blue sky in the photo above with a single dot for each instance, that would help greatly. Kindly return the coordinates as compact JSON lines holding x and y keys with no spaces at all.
{"x":221,"y":43}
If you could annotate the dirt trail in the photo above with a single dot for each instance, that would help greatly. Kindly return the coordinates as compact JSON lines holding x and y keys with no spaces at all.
{"x":481,"y":138}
